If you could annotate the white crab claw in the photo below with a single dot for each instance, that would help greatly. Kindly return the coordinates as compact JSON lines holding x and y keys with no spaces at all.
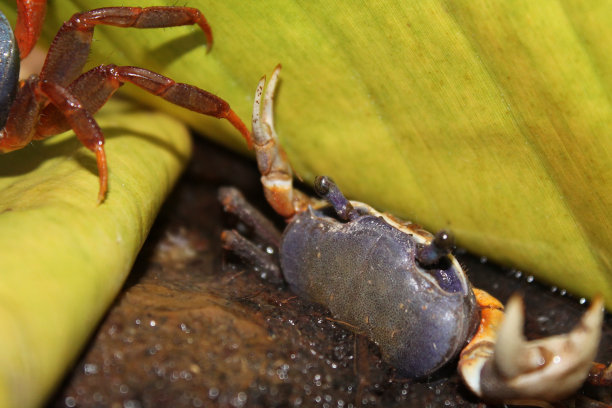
{"x":551,"y":368}
{"x":263,"y":115}
{"x":258,"y":133}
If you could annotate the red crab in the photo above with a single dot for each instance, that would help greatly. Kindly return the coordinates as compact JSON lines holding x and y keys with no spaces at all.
{"x":62,"y":98}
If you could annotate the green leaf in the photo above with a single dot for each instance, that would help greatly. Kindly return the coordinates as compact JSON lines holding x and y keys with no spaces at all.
{"x":64,"y":257}
{"x":491,"y":119}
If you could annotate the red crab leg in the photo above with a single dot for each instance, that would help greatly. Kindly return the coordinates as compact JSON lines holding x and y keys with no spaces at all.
{"x":65,"y":60}
{"x":70,"y":47}
{"x":276,"y":173}
{"x":97,"y":85}
{"x":30,"y":18}
{"x":83,"y":124}
{"x":500,"y":365}
{"x":22,"y":118}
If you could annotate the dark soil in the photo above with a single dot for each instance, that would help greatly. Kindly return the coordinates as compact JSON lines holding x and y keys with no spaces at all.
{"x":193,"y":328}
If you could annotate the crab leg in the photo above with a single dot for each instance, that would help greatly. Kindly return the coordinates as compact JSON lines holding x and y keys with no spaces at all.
{"x":30,"y":17}
{"x":233,"y":202}
{"x":84,"y":125}
{"x":276,"y":174}
{"x":96,"y":86}
{"x":74,"y":106}
{"x":61,"y":98}
{"x":75,"y":36}
{"x":500,"y":365}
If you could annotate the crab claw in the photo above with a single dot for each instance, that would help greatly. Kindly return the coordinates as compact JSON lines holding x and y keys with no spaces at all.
{"x":551,"y":368}
{"x":504,"y":366}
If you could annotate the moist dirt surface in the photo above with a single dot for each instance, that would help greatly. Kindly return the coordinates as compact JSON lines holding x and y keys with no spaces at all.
{"x":193,"y":327}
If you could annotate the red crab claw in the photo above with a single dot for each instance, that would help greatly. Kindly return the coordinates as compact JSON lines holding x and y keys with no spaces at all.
{"x":520,"y":371}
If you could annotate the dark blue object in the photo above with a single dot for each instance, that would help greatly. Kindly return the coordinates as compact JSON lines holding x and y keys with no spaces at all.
{"x":9,"y":68}
{"x":365,"y":271}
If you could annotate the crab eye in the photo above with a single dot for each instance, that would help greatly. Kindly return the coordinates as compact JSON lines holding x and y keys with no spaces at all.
{"x":439,"y":248}
{"x":327,"y":189}
{"x":433,"y":258}
{"x":322,"y":185}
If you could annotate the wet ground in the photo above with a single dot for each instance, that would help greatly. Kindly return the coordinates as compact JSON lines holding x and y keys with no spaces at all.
{"x":193,"y":328}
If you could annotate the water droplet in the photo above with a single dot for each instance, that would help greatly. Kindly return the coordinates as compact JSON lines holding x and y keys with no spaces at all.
{"x":90,"y":369}
{"x":241,"y":397}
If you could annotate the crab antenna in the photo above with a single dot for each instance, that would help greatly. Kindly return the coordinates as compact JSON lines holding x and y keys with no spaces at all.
{"x":440,"y":246}
{"x":327,"y":189}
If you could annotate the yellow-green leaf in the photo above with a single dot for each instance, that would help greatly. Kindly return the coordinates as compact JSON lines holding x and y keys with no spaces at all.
{"x":492,"y":119}
{"x":64,"y":257}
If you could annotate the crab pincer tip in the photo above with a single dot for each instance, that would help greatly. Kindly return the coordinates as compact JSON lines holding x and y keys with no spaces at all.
{"x":205,"y":27}
{"x":102,"y":192}
{"x":102,"y":172}
{"x":101,"y":197}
